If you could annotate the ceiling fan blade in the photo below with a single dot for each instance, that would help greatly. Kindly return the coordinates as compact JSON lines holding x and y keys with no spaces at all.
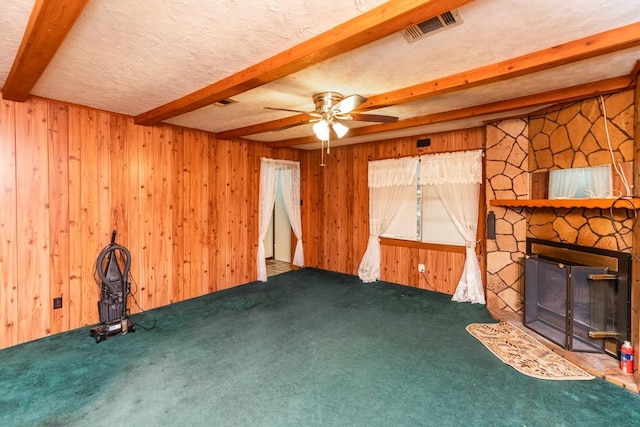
{"x":374,"y":118}
{"x":349,"y":103}
{"x":286,"y":109}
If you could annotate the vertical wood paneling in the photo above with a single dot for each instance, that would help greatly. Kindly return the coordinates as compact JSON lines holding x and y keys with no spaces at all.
{"x":33,"y":219}
{"x":200,"y":231}
{"x":75,"y":300}
{"x":104,"y":189}
{"x":8,"y":232}
{"x":147,"y":215}
{"x":160,"y":237}
{"x":90,"y":239}
{"x":179,"y":282}
{"x":191,"y":288}
{"x":134,"y":193}
{"x":119,"y":167}
{"x":59,"y":213}
{"x":219,"y":197}
{"x":239,"y":221}
{"x":184,"y":203}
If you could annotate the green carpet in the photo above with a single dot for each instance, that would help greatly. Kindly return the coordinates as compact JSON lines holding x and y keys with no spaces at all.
{"x":307,"y":348}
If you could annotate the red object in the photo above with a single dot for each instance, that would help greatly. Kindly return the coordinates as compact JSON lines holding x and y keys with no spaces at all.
{"x":626,"y":358}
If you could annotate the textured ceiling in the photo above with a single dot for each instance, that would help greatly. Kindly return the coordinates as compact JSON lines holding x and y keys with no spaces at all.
{"x":131,"y":56}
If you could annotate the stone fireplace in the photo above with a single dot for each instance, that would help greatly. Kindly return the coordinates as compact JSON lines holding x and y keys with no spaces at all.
{"x":520,"y":153}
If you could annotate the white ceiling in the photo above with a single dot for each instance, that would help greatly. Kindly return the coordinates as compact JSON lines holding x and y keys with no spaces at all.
{"x":130,"y":56}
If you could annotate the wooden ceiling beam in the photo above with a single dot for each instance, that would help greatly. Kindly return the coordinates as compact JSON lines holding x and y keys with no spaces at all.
{"x":384,"y":20}
{"x":279,"y":124}
{"x":577,"y":50}
{"x":585,"y":48}
{"x":49,"y":24}
{"x":569,"y":94}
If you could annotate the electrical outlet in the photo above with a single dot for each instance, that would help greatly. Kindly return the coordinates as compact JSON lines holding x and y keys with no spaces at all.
{"x":420,"y":268}
{"x":57,"y":303}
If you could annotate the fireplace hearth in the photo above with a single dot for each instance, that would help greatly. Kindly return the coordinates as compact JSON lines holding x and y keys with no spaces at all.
{"x":578,"y":296}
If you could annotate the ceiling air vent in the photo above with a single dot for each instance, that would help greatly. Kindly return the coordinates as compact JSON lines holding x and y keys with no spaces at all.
{"x":224,"y":102}
{"x":432,"y":26}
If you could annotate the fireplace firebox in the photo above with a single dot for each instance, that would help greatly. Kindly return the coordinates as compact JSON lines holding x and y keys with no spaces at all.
{"x":578,"y":296}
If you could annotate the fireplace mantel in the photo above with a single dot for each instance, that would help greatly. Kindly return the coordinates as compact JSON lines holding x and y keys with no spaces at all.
{"x":621,"y":203}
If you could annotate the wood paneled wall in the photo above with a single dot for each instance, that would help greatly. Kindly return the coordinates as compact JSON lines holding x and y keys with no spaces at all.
{"x":336,"y":212}
{"x":184,"y":204}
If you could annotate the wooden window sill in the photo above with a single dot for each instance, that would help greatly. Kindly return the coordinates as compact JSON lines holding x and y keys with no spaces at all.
{"x":421,"y":245}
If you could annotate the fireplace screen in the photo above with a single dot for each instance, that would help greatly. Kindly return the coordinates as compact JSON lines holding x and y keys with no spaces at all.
{"x":577,"y":297}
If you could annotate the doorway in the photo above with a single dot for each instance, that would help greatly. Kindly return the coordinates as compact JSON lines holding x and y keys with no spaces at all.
{"x":279,"y":177}
{"x":277,"y":242}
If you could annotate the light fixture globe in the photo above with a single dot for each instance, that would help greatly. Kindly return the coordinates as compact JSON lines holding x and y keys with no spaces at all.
{"x":340,"y":129}
{"x":321,"y":129}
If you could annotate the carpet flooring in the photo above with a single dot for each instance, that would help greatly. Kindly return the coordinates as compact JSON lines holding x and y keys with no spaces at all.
{"x":307,"y":348}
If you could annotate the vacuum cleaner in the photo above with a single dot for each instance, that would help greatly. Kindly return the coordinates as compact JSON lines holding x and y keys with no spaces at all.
{"x":112,"y":275}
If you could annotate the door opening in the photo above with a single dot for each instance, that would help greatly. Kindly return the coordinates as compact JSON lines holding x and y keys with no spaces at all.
{"x":277,"y":243}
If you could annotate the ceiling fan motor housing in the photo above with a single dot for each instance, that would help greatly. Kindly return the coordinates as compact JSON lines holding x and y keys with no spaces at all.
{"x":325,"y":100}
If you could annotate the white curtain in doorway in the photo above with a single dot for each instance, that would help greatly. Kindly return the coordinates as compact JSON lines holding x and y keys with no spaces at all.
{"x":389,"y":182}
{"x":290,"y":174}
{"x":456,"y":178}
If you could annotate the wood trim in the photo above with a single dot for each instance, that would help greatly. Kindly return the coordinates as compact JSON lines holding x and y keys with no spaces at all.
{"x":421,"y":245}
{"x":560,"y":95}
{"x":49,"y":24}
{"x":279,"y":124}
{"x":373,"y":25}
{"x":620,"y":203}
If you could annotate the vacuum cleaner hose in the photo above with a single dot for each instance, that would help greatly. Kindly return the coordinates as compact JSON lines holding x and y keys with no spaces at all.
{"x":110,"y":250}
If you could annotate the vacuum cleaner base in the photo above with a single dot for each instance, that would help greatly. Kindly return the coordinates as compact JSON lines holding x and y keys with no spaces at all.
{"x":102,"y":332}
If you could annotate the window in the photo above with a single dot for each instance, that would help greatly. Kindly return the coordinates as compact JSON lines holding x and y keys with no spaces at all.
{"x":581,"y":183}
{"x":423,"y":218}
{"x":456,"y":179}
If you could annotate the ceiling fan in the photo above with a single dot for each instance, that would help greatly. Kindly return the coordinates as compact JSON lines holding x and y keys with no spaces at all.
{"x":334,"y":112}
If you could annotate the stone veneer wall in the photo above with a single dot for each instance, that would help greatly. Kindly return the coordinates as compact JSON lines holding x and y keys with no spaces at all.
{"x":574,"y":136}
{"x":506,"y":155}
{"x":567,"y":136}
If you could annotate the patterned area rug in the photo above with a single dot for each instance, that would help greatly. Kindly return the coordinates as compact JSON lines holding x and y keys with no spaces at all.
{"x":524,"y":353}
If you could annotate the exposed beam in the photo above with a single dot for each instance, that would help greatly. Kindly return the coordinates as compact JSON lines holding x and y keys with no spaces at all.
{"x":278,"y":124}
{"x":569,"y":94}
{"x":577,"y":50}
{"x":49,"y":24}
{"x":585,"y":48}
{"x":375,"y":24}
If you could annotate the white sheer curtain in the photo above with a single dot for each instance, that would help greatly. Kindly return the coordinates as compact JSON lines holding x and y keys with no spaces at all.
{"x":291,"y":192}
{"x":563,"y":183}
{"x":456,"y":177}
{"x":580,"y":183}
{"x":598,"y":181}
{"x":389,"y":181}
{"x":290,"y":173}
